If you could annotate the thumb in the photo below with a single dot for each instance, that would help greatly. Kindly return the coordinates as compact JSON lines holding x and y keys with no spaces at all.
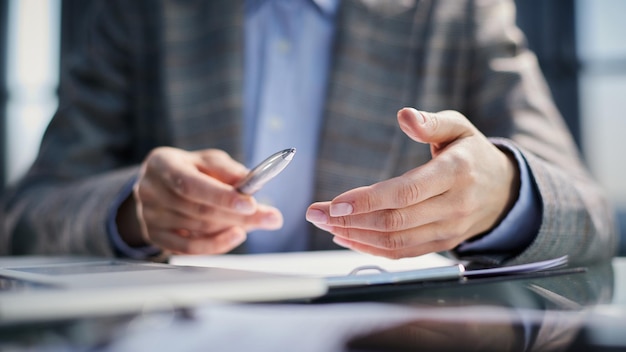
{"x":219,"y":165}
{"x":434,"y":128}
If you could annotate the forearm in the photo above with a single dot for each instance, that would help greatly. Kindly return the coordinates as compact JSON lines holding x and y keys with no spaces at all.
{"x":67,"y":218}
{"x":515,"y":104}
{"x":565,"y":213}
{"x":124,"y":229}
{"x":577,"y":219}
{"x":519,"y":225}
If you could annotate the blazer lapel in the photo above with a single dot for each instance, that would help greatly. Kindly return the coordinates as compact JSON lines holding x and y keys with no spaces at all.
{"x":374,"y":73}
{"x":374,"y":67}
{"x":373,"y":76}
{"x":204,"y":73}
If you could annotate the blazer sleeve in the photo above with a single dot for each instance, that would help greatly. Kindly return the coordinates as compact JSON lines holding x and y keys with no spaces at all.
{"x":60,"y":206}
{"x":577,"y":219}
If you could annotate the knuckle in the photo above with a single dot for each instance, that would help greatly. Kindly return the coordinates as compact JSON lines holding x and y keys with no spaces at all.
{"x":198,"y":245}
{"x":204,"y":210}
{"x":446,"y":245}
{"x":460,"y":162}
{"x":346,"y":233}
{"x":200,"y":225}
{"x":213,"y":156}
{"x":434,"y":120}
{"x":460,"y":209}
{"x":139,"y":189}
{"x":452,"y":113}
{"x":144,"y":193}
{"x":148,"y":214}
{"x":393,"y":219}
{"x":463,"y":208}
{"x":217,"y":154}
{"x":149,"y":235}
{"x":368,"y":202}
{"x":448,"y":236}
{"x":190,"y":247}
{"x":394,"y":255}
{"x":341,"y":221}
{"x":408,"y":194}
{"x":179,"y":184}
{"x":393,"y":241}
{"x":158,"y":164}
{"x":439,"y":234}
{"x":156,"y":158}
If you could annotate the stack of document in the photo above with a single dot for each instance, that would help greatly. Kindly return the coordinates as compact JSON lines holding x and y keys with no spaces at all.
{"x":344,"y":268}
{"x":317,"y":263}
{"x":339,"y":268}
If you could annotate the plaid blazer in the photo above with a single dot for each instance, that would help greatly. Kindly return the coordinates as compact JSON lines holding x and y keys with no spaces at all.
{"x":170,"y":72}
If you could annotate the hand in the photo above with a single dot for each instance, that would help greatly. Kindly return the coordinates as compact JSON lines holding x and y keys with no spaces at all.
{"x":464,"y":191}
{"x":184,"y":202}
{"x":500,"y":333}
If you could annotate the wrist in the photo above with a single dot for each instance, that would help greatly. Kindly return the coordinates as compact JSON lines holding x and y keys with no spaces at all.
{"x":514,"y":180}
{"x":127,"y":221}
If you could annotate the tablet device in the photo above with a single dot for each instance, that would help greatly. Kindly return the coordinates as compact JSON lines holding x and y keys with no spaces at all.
{"x":42,"y":288}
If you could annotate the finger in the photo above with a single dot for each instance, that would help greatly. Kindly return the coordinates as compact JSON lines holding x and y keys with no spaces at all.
{"x":398,"y":240}
{"x":436,"y":128}
{"x":156,"y":195}
{"x":429,"y":180}
{"x":430,"y":247}
{"x":221,"y":242}
{"x":187,"y":179}
{"x":220,"y":165}
{"x":266,"y":218}
{"x":431,"y":210}
{"x":213,"y":219}
{"x":162,"y":219}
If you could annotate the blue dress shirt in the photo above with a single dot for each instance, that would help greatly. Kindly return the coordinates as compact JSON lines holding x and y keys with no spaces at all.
{"x":287,"y":57}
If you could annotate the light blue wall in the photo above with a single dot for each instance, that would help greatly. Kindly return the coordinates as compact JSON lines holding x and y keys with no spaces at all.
{"x":602,"y":51}
{"x":32,"y":78}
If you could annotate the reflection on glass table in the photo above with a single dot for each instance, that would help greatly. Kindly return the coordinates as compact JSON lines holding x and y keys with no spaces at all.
{"x":553,"y":313}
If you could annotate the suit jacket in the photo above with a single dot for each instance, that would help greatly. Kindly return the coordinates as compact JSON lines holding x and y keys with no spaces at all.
{"x":170,"y":72}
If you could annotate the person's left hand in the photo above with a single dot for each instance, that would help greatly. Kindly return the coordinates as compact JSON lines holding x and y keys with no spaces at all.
{"x":464,"y":191}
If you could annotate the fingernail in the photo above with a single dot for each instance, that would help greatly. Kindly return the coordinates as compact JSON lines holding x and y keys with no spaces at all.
{"x":271,"y":221}
{"x":244,"y":206}
{"x":342,"y":242}
{"x":237,"y":239}
{"x":324,"y":227}
{"x":341,"y":209}
{"x":422,"y":118}
{"x":316,"y":216}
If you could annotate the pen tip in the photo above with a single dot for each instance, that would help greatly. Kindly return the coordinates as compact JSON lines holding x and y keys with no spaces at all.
{"x":289,"y":153}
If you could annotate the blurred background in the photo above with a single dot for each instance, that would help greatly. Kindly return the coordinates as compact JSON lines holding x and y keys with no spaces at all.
{"x":580,"y":45}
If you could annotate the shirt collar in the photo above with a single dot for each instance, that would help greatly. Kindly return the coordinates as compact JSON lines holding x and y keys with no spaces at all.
{"x":329,"y":7}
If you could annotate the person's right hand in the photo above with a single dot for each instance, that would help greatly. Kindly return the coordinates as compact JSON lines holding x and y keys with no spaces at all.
{"x":185,"y":203}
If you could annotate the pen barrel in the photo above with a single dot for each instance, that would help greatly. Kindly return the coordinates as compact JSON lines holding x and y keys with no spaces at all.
{"x":265,"y":171}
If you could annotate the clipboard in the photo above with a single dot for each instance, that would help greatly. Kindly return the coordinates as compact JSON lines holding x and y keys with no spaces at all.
{"x":350,"y":275}
{"x":359,"y":278}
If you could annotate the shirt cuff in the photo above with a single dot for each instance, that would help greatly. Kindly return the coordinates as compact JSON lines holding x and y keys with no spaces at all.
{"x":519,"y":227}
{"x":120,"y":247}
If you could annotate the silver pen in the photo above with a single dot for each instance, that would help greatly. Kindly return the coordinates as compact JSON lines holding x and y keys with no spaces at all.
{"x":265,"y":171}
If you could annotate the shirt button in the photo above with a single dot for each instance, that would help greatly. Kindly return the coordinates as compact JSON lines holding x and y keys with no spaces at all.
{"x":266,"y":200}
{"x":275,"y":123}
{"x":283,"y":46}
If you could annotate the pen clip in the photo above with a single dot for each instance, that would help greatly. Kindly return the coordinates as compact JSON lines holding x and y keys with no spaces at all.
{"x":265,"y":171}
{"x":362,"y":268}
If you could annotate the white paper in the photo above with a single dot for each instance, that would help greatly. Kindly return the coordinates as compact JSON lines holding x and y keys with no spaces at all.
{"x":316,"y":263}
